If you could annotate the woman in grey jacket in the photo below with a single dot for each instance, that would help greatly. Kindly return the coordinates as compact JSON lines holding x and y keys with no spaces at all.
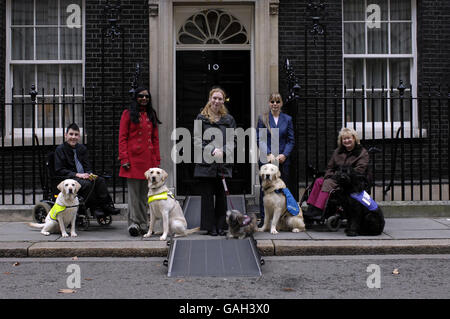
{"x":214,"y":164}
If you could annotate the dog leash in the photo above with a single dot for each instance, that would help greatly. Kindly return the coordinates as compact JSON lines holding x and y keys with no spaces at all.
{"x":227,"y":193}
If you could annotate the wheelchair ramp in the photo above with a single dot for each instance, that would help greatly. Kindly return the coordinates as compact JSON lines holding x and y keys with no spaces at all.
{"x":192,"y":208}
{"x":214,"y":258}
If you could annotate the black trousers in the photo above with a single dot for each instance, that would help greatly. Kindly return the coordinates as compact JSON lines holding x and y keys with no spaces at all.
{"x":97,"y":192}
{"x":213,"y":212}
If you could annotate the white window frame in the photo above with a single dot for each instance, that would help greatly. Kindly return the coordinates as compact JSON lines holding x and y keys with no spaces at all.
{"x":23,"y":136}
{"x":386,"y":126}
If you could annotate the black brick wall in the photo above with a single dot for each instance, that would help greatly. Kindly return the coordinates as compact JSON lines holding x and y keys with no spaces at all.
{"x":317,"y":61}
{"x":2,"y":54}
{"x":433,"y":41}
{"x":110,"y":68}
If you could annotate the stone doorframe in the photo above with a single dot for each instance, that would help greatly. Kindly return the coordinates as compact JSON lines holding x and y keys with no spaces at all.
{"x":162,"y":66}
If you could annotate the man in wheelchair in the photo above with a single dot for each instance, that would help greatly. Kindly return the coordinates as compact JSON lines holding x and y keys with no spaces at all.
{"x":348,"y":153}
{"x":71,"y":161}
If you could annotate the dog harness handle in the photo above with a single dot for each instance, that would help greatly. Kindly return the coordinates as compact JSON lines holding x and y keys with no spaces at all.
{"x":160,"y":196}
{"x":225,"y":186}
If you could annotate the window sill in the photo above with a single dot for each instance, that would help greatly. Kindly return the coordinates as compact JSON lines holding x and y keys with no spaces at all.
{"x":379,"y":132}
{"x":24,"y":138}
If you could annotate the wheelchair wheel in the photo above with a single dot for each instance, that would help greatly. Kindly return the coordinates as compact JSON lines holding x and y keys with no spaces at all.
{"x":105,"y":220}
{"x":334,"y":222}
{"x":40,"y":211}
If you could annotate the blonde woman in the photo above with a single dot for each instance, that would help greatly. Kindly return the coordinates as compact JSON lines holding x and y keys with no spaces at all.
{"x":274,"y":118}
{"x":214,"y":115}
{"x":348,"y":153}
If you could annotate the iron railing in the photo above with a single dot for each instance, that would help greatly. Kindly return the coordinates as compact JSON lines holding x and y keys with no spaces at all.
{"x":413,"y":161}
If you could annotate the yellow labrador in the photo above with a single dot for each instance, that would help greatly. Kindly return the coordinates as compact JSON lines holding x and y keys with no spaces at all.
{"x":276,"y":215}
{"x":163,"y":205}
{"x":64,"y":212}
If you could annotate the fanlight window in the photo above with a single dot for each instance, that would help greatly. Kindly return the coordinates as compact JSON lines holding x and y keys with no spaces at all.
{"x":212,"y":27}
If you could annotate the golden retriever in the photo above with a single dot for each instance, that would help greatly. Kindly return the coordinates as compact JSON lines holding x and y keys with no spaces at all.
{"x":64,"y":212}
{"x":276,"y":215}
{"x":168,"y":209}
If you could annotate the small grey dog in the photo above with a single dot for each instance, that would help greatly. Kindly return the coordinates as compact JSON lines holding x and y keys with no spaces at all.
{"x":240,"y":225}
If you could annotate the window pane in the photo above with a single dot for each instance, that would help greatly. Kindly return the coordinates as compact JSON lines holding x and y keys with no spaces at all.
{"x":377,"y":6}
{"x":376,"y":73}
{"x":401,"y":38}
{"x":377,"y":40}
{"x":72,"y":111}
{"x":47,"y":43}
{"x":354,"y":73}
{"x":22,"y":12}
{"x":353,"y":103}
{"x":354,"y":10}
{"x":70,"y":9}
{"x":399,"y":70}
{"x":71,"y":78}
{"x":23,"y":112}
{"x":354,"y":38}
{"x":22,"y":39}
{"x":48,"y":113}
{"x":71,"y":45}
{"x":374,"y":104}
{"x":23,"y":78}
{"x":48,"y":78}
{"x":47,"y":12}
{"x":400,"y":9}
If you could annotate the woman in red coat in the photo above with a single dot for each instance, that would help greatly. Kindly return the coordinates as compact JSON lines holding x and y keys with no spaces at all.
{"x":138,"y":151}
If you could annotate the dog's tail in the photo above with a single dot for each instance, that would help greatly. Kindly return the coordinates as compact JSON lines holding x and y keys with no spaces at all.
{"x":36,"y":225}
{"x":192,"y":230}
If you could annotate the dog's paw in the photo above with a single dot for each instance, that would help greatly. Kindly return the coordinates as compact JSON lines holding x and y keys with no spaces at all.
{"x":73,"y":235}
{"x":65,"y":235}
{"x":147,"y":235}
{"x":260,"y":229}
{"x":295,"y":230}
{"x":273,"y":231}
{"x":163,"y":237}
{"x":46,"y":233}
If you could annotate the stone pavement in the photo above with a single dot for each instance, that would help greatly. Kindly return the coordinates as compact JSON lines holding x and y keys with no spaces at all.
{"x":419,"y":235}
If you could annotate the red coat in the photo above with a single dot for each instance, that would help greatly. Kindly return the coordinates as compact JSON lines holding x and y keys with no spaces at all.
{"x":138,"y":145}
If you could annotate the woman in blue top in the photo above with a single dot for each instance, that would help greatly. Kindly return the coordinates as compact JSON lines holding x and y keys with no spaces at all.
{"x":275,"y":119}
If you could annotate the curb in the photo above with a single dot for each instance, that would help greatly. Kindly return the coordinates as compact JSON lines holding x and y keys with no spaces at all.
{"x":391,"y":209}
{"x":265,"y":248}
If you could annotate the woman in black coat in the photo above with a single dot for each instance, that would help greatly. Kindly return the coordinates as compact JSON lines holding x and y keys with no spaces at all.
{"x":213,"y":164}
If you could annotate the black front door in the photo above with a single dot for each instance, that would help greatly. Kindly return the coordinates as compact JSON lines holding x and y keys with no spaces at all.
{"x":197,"y":73}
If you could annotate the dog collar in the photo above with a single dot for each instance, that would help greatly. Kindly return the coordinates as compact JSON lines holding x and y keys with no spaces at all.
{"x":56,"y":210}
{"x":160,"y":196}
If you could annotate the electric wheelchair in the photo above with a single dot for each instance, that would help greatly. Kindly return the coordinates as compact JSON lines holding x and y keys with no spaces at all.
{"x":49,"y":183}
{"x":333,"y":216}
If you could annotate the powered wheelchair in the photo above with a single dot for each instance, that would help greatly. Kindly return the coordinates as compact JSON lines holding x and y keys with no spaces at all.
{"x":49,"y":183}
{"x":333,"y":216}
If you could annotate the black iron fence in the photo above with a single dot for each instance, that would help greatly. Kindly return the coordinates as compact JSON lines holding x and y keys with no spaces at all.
{"x":409,"y":131}
{"x":33,"y":125}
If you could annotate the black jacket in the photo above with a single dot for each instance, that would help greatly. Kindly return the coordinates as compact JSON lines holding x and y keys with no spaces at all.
{"x":65,"y":163}
{"x":202,"y":168}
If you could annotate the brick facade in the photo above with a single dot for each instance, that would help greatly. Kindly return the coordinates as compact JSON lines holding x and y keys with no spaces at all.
{"x":110,"y":66}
